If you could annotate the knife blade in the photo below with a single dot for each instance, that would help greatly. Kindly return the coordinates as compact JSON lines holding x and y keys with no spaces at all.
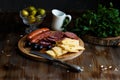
{"x":70,"y":67}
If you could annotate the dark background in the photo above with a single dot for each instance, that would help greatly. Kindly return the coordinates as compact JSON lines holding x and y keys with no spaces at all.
{"x":77,"y":5}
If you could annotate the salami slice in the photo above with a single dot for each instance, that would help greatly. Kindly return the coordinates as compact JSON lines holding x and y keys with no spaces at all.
{"x":57,"y":35}
{"x":44,"y":43}
{"x":71,"y":35}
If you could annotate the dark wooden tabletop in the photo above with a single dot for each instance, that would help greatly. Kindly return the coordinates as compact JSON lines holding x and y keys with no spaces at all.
{"x":97,"y":62}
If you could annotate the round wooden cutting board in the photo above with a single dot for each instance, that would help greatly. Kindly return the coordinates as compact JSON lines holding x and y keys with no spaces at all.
{"x":26,"y":51}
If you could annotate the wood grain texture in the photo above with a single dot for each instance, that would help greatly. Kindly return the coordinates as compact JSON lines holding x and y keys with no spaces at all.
{"x":110,"y":41}
{"x":98,"y":62}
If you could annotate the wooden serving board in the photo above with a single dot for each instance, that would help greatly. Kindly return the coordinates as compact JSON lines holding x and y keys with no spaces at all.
{"x":26,"y":51}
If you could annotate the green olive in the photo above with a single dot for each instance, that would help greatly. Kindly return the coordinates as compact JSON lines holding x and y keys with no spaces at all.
{"x":24,"y":13}
{"x":33,"y":12}
{"x":31,"y":19}
{"x":41,"y":11}
{"x":31,"y":8}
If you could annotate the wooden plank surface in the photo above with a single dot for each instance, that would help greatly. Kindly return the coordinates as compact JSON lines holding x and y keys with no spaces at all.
{"x":98,"y":62}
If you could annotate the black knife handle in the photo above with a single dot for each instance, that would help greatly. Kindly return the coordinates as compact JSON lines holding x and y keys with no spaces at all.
{"x":70,"y":67}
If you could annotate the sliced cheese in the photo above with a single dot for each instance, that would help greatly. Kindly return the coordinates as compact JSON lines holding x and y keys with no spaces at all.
{"x":51,"y":52}
{"x":70,"y":42}
{"x":57,"y":50}
{"x":69,"y":48}
{"x":65,"y":46}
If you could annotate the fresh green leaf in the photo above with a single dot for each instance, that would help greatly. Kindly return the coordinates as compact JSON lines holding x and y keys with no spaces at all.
{"x":104,"y":22}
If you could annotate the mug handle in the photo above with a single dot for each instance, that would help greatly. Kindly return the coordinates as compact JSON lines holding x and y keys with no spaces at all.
{"x":67,"y":20}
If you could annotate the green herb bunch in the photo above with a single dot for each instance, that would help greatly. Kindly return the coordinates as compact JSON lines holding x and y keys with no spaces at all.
{"x":104,"y":22}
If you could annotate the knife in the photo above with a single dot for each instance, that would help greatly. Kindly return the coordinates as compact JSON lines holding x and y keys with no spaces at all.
{"x":70,"y":67}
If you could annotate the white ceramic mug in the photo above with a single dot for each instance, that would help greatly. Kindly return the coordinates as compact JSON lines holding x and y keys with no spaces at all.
{"x":58,"y":19}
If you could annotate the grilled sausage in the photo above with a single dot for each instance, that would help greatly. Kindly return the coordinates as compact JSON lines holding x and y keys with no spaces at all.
{"x":36,"y":32}
{"x":40,"y":36}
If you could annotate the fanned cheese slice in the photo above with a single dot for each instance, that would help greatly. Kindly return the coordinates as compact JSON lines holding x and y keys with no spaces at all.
{"x":51,"y":52}
{"x":70,"y":42}
{"x":69,"y":48}
{"x":58,"y":50}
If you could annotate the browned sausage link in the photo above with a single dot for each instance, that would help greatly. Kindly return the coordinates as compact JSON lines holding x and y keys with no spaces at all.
{"x":36,"y":32}
{"x":40,"y":36}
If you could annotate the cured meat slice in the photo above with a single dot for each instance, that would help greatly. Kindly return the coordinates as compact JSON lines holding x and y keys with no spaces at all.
{"x":44,"y":43}
{"x":51,"y":39}
{"x":57,"y":35}
{"x":71,"y":35}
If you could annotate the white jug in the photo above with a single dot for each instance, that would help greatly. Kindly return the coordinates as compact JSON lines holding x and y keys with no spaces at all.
{"x":58,"y":19}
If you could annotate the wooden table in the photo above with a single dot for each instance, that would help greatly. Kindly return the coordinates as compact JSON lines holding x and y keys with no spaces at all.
{"x":98,"y":62}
